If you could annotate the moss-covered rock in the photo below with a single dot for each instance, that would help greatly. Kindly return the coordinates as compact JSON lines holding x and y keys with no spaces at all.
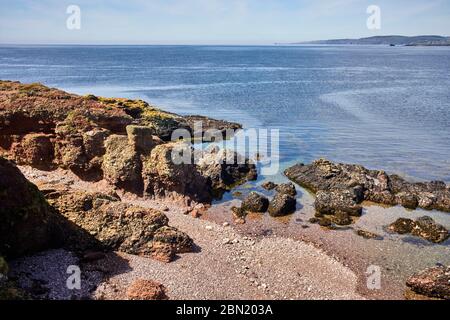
{"x":122,"y":165}
{"x":26,"y":219}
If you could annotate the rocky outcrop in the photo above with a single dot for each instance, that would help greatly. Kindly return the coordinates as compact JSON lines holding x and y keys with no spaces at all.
{"x":27,"y":222}
{"x":100,"y":221}
{"x":424,"y":227}
{"x":145,"y":290}
{"x":255,"y":202}
{"x":282,"y":204}
{"x":433,"y":282}
{"x":106,"y":138}
{"x":371,"y":185}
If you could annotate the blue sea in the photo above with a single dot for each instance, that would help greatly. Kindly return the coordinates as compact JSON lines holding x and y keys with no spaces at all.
{"x":383,"y":107}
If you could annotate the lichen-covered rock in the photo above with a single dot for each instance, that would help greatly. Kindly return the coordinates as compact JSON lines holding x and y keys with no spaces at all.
{"x":375,"y":186}
{"x":122,"y":165}
{"x":225,"y":169}
{"x":282,"y":204}
{"x":26,"y":219}
{"x":179,"y":241}
{"x":424,"y":227}
{"x":177,"y":169}
{"x":255,"y":202}
{"x":166,"y":175}
{"x":333,"y":202}
{"x":433,"y":282}
{"x":100,"y":221}
{"x":141,"y":138}
{"x":287,"y":188}
{"x":146,"y":290}
{"x":46,"y":127}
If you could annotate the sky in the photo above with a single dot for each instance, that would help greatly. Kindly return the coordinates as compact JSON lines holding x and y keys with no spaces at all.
{"x":215,"y":21}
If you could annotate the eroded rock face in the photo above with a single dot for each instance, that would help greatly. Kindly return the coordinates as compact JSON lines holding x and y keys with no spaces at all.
{"x":255,"y":203}
{"x":27,"y":223}
{"x":79,"y":145}
{"x":34,"y":149}
{"x":424,"y":227}
{"x":433,"y":282}
{"x":282,"y":204}
{"x":100,"y":221}
{"x":122,"y":165}
{"x":176,"y":169}
{"x":375,"y":186}
{"x":165,"y":177}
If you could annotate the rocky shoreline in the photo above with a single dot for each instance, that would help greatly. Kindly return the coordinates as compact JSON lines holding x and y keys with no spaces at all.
{"x":120,"y":150}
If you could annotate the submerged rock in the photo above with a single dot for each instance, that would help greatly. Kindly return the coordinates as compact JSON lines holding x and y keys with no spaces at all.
{"x":424,"y":227}
{"x":287,"y":188}
{"x":255,"y":203}
{"x":433,"y":282}
{"x":402,"y":226}
{"x":282,"y":205}
{"x":341,"y":218}
{"x":368,"y":235}
{"x":269,"y":185}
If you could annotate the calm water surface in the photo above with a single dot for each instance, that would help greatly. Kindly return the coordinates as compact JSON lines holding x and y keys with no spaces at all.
{"x":386,"y":108}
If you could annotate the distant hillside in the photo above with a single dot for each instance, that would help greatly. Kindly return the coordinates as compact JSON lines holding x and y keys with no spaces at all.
{"x":389,"y":40}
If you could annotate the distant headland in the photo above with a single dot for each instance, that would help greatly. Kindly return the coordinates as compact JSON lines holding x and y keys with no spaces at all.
{"x":393,"y":40}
